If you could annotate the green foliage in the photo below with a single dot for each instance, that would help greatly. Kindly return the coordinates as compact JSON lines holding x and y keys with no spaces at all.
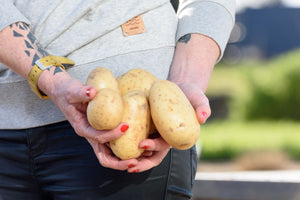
{"x":264,"y":109}
{"x":275,"y":90}
{"x":260,"y":90}
{"x":223,"y":140}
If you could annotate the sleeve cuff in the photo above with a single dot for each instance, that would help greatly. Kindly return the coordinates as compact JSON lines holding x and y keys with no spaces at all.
{"x":207,"y":18}
{"x":9,"y":14}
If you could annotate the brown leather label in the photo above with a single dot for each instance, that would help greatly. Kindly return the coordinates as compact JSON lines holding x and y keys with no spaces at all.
{"x":134,"y":26}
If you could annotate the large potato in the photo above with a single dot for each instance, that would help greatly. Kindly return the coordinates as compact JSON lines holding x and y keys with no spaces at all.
{"x":104,"y":112}
{"x":137,"y":114}
{"x":102,"y":77}
{"x":136,"y":79}
{"x":173,"y":115}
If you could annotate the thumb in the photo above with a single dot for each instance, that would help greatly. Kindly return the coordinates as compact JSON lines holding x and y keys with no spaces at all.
{"x":198,"y":100}
{"x":200,"y":103}
{"x":203,"y":112}
{"x":85,"y":94}
{"x":89,"y":92}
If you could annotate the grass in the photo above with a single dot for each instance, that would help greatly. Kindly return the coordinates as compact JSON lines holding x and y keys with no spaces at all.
{"x":221,"y":140}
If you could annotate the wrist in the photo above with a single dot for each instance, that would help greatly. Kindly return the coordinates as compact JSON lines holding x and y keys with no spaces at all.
{"x":194,"y":60}
{"x":44,"y":67}
{"x":49,"y":79}
{"x":194,"y":71}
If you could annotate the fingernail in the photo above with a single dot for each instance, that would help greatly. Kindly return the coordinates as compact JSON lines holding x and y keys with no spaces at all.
{"x":135,"y":171}
{"x":131,"y":165}
{"x":204,"y":114}
{"x":88,"y":92}
{"x":145,"y":147}
{"x":124,"y":128}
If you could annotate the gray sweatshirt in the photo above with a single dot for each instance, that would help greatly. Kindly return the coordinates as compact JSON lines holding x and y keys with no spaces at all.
{"x":89,"y":32}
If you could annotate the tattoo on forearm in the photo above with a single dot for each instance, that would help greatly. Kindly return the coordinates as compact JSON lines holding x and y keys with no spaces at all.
{"x":28,"y":45}
{"x":33,"y":47}
{"x":31,"y":37}
{"x":27,"y":52}
{"x":35,"y":58}
{"x":185,"y":39}
{"x":16,"y":34}
{"x":57,"y":70}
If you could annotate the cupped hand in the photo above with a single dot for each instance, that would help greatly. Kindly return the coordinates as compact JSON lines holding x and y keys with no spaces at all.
{"x":156,"y":148}
{"x":72,"y":98}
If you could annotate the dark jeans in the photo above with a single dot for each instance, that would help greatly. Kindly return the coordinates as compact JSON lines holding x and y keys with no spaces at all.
{"x":52,"y":162}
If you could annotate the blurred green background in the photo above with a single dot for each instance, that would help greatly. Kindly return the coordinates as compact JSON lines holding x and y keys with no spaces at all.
{"x":255,"y":107}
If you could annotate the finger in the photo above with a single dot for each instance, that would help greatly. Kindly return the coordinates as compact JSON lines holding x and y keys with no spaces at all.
{"x":156,"y":144}
{"x":84,"y":129}
{"x":107,"y":136}
{"x":81,"y":94}
{"x":107,"y":159}
{"x":147,"y":153}
{"x":146,"y":163}
{"x":201,"y":105}
{"x":198,"y":100}
{"x":203,"y":112}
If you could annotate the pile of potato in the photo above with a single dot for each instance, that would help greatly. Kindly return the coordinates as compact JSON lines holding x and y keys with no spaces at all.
{"x":147,"y":104}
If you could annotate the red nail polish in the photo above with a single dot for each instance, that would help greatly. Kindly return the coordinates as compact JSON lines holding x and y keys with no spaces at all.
{"x":145,"y":147}
{"x":131,"y":165}
{"x":88,"y":92}
{"x":204,"y":114}
{"x":135,"y":171}
{"x":124,"y":128}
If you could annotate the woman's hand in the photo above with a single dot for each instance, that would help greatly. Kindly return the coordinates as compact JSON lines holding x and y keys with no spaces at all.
{"x":72,"y":98}
{"x":156,"y":148}
{"x":193,"y":63}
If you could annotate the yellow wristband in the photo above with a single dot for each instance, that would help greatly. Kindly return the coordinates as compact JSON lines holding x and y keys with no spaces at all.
{"x":43,"y":64}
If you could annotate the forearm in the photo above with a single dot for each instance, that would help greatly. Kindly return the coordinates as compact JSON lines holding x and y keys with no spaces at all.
{"x":19,"y":50}
{"x":194,"y":60}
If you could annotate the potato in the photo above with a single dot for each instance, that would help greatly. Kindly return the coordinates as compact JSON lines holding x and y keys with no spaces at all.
{"x":173,"y":115}
{"x":102,"y":77}
{"x":136,"y":79}
{"x":105,"y":111}
{"x":137,"y":114}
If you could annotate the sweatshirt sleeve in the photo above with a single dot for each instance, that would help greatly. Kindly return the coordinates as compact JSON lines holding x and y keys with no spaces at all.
{"x":213,"y":18}
{"x":9,"y":14}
